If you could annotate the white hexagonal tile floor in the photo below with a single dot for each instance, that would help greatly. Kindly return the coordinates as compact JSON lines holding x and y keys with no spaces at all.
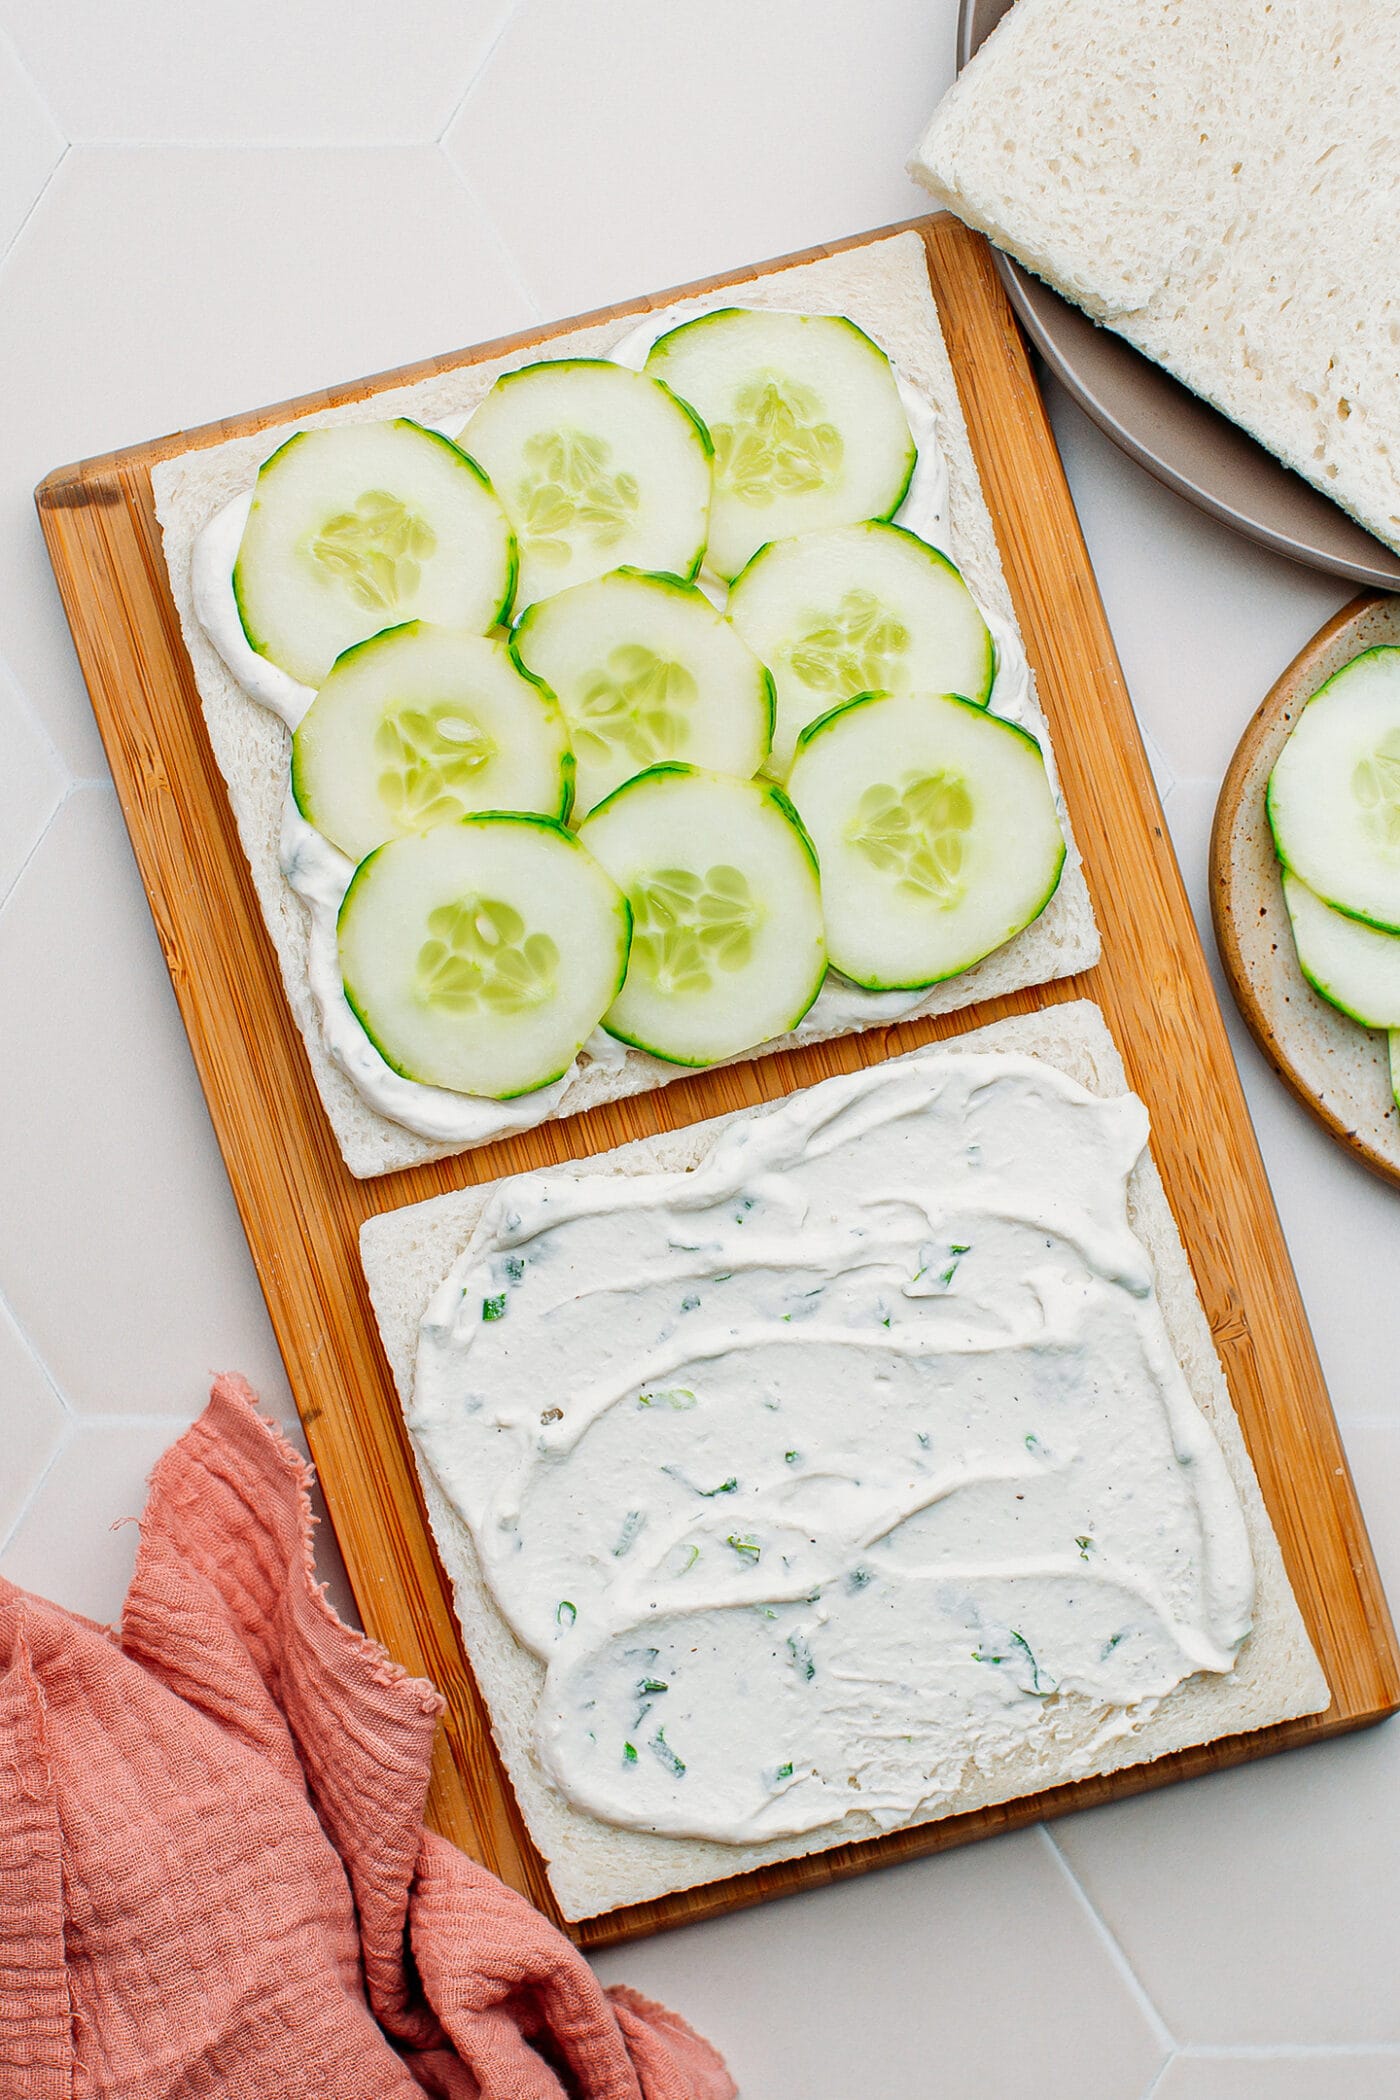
{"x":256,"y":204}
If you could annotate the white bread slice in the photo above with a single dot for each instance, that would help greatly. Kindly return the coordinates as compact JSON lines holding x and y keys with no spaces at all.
{"x":1214,"y":180}
{"x":594,"y":1867}
{"x":884,"y":286}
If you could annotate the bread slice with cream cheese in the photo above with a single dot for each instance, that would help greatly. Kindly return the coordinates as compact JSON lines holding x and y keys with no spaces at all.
{"x":594,"y":1866}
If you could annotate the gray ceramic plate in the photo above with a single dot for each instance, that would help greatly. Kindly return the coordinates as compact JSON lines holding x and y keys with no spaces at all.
{"x":1338,"y":1070}
{"x":1168,"y":430}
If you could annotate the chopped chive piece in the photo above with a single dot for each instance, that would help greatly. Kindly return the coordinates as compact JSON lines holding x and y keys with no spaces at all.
{"x":1084,"y":1544}
{"x":662,"y":1749}
{"x":724,"y":1276}
{"x":692,"y":1554}
{"x":802,"y":1659}
{"x":858,"y":1578}
{"x":1019,"y":1640}
{"x":678,"y":1397}
{"x":691,"y":1304}
{"x":791,"y":1457}
{"x":565,"y":1612}
{"x":629,"y":1753}
{"x":948,"y":1274}
{"x":1032,"y":1441}
{"x":515,"y":1267}
{"x":785,"y":1771}
{"x":726,"y":1487}
{"x":886,"y":1321}
{"x":747,"y":1547}
{"x":922,"y":1436}
{"x":1111,"y":1645}
{"x":954,"y":1248}
{"x":494,"y":1308}
{"x":627,"y":1537}
{"x":652,"y":1684}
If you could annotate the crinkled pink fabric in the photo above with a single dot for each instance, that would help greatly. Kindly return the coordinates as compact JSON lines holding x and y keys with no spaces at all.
{"x":214,"y":1876}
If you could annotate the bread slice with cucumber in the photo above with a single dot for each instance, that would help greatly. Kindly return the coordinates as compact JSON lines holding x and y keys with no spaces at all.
{"x":882,"y":289}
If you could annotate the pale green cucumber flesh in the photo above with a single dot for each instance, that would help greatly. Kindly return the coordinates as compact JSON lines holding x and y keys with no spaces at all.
{"x":646,"y":670}
{"x":1334,"y":794}
{"x":727,"y":949}
{"x":1355,"y":967}
{"x":367,"y":526}
{"x":481,"y":955}
{"x":806,"y":421}
{"x":937,"y":832}
{"x":422,"y":725}
{"x":597,"y":467}
{"x":858,"y":609}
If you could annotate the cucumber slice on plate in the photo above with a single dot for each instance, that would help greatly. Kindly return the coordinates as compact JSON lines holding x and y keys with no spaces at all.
{"x":1355,"y":967}
{"x":805,"y":418}
{"x":419,"y":726}
{"x":596,"y":466}
{"x":936,"y":829}
{"x":1334,"y":793}
{"x":727,"y":946}
{"x":480,"y":956}
{"x":646,"y":670}
{"x":363,"y":527}
{"x":858,"y":609}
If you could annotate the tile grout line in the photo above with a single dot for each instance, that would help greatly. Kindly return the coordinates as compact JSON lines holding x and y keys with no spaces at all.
{"x":1285,"y":2052}
{"x":1158,"y":2075}
{"x":31,"y":1349}
{"x":474,"y":197}
{"x":13,"y":242}
{"x":38,"y":727}
{"x":176,"y":1425}
{"x":421,"y":142}
{"x":512,"y":10}
{"x":7,"y":1538}
{"x":77,"y":785}
{"x":1128,"y":1975}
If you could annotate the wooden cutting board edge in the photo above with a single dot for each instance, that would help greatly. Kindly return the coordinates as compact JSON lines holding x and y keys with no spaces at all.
{"x":302,"y":1211}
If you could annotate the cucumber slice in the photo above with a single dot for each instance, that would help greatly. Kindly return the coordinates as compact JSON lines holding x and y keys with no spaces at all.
{"x":646,"y":670}
{"x":806,"y":420}
{"x":481,"y":956}
{"x":419,"y":726}
{"x":727,"y":947}
{"x":860,"y":609}
{"x":363,"y":527}
{"x":1355,"y":967}
{"x":936,"y":829}
{"x":1334,"y":793}
{"x":596,"y":466}
{"x":1394,"y":1046}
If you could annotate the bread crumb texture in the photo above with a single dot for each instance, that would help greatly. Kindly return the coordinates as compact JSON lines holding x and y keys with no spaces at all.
{"x":1214,"y":180}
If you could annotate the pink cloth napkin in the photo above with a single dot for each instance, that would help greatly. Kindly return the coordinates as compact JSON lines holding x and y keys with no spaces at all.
{"x":214,"y":1877}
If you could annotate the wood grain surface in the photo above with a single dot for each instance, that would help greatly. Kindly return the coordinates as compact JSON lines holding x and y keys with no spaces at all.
{"x":302,"y":1210}
{"x":1339,"y":1070}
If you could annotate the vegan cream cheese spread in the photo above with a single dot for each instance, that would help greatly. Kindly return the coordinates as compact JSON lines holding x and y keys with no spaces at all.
{"x":320,"y":873}
{"x":828,"y":1470}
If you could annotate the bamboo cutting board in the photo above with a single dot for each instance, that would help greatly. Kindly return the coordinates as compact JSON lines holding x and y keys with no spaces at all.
{"x":302,"y":1210}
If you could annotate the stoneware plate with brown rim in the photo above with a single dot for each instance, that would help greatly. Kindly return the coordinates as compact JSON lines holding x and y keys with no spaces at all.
{"x":1168,"y":429}
{"x":1338,"y":1070}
